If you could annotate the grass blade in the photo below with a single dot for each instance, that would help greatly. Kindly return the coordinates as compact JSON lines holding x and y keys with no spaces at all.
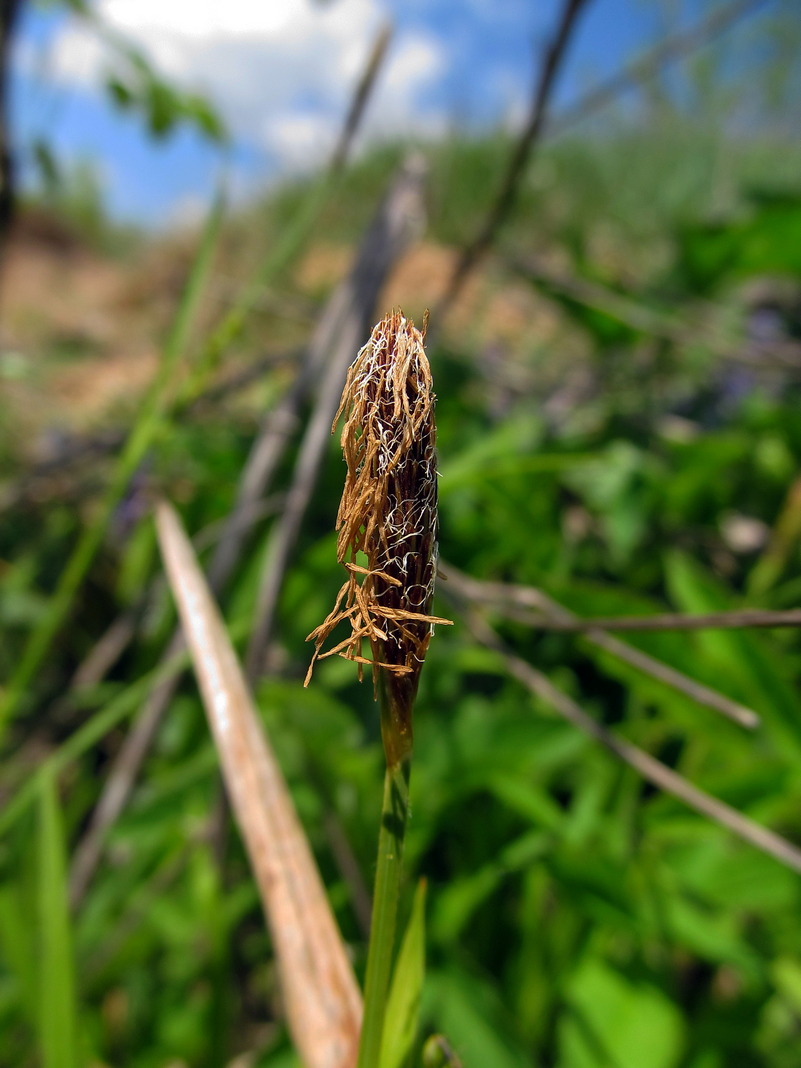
{"x":389,"y":870}
{"x":403,"y":1004}
{"x":58,"y":1025}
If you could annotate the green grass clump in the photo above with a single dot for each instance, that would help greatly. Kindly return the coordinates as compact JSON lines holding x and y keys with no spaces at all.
{"x":636,"y":452}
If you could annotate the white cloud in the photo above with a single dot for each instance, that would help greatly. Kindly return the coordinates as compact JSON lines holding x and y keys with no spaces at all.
{"x":188,"y":211}
{"x":193,"y":19}
{"x":297,"y":138}
{"x":414,"y":64}
{"x":415,"y":60}
{"x":78,"y":57}
{"x":280,"y":71}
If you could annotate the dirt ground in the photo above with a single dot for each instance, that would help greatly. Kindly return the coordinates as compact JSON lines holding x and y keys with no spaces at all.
{"x":73,"y":342}
{"x":80,"y":330}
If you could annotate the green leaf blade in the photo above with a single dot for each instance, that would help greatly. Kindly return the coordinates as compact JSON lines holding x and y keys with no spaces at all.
{"x":403,"y":1005}
{"x":58,"y":1013}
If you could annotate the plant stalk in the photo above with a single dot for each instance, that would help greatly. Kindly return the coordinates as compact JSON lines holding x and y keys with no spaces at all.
{"x":395,"y":714}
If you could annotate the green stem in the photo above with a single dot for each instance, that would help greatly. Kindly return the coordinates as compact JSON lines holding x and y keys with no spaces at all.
{"x":380,"y":954}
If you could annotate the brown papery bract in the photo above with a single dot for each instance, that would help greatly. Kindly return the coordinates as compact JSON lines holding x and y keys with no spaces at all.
{"x":388,"y":510}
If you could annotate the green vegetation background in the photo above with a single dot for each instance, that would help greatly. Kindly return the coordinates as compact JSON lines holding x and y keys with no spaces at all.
{"x":634,"y":446}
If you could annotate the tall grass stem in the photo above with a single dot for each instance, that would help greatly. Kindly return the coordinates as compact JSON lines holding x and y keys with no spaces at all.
{"x":58,"y":1010}
{"x":389,"y":871}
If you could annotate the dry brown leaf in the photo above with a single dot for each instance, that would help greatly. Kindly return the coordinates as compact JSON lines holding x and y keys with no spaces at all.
{"x":323,"y":1003}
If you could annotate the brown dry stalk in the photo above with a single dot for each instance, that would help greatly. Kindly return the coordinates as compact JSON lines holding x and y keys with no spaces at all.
{"x":387,"y":519}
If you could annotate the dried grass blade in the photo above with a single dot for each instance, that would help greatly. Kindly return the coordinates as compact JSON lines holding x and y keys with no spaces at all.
{"x":322,"y":999}
{"x":651,"y":769}
{"x":510,"y":599}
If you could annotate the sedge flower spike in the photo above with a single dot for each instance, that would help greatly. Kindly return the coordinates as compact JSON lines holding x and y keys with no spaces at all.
{"x":388,"y":513}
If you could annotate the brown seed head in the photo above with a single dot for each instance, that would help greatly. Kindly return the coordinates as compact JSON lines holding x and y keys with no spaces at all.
{"x":388,"y":509}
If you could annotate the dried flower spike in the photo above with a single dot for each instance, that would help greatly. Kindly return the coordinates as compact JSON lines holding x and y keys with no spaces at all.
{"x":388,"y":510}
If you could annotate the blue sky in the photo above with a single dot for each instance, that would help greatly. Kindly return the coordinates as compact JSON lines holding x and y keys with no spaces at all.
{"x":280,"y":73}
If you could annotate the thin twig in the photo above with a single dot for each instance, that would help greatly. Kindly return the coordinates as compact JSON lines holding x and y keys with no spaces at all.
{"x":9,"y":17}
{"x":120,"y":780}
{"x":502,"y":596}
{"x":653,"y":61}
{"x":643,"y":763}
{"x":746,"y":617}
{"x":527,"y":142}
{"x":105,"y":653}
{"x":361,"y":95}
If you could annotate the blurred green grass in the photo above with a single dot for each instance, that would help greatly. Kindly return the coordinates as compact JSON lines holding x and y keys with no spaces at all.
{"x":577,"y":918}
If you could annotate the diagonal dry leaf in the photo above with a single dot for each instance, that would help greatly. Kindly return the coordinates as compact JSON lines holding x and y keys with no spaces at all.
{"x":530,"y":605}
{"x":651,"y":769}
{"x":323,"y":1003}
